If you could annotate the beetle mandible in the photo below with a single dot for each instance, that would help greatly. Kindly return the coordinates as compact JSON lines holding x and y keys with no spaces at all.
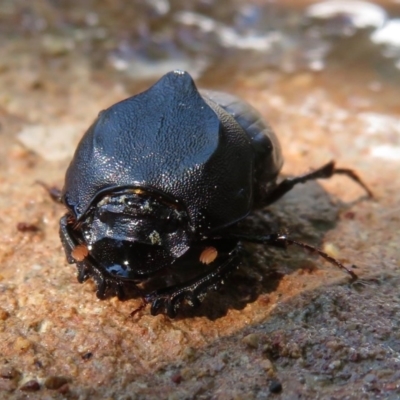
{"x":159,"y":183}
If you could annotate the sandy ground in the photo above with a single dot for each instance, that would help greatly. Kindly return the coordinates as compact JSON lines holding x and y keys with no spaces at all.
{"x":286,"y":325}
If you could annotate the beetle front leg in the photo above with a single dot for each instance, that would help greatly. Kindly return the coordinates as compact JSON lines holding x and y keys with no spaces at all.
{"x":77,"y":253}
{"x":193,"y":290}
{"x":325,"y":172}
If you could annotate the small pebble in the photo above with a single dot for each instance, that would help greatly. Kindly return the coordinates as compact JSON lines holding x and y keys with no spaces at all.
{"x":22,"y":344}
{"x":189,"y":354}
{"x":331,"y":250}
{"x":87,"y":356}
{"x":252,"y":340}
{"x":334,"y":345}
{"x":176,"y":378}
{"x":30,"y":386}
{"x":369,"y":378}
{"x":55,"y":382}
{"x":267,"y":365}
{"x":7,"y":385}
{"x":275,"y":387}
{"x":8,"y":372}
{"x":64,"y":389}
{"x":27,"y":227}
{"x":335,"y":364}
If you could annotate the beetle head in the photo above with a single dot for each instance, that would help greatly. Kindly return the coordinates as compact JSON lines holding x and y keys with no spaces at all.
{"x":132,"y":233}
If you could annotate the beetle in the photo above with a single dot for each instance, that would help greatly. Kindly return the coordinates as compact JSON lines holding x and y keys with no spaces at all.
{"x":159,"y":183}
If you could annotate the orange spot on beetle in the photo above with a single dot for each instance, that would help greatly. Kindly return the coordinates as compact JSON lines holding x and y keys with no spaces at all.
{"x":208,"y":255}
{"x":80,"y":252}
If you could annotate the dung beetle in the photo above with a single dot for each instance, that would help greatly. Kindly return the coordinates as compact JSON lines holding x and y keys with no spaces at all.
{"x":158,"y":185}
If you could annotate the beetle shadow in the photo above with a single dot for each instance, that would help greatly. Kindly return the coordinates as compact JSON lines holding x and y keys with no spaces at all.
{"x":307,"y":213}
{"x":290,"y":341}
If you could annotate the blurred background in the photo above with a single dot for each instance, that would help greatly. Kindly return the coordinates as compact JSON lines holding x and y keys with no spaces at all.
{"x":69,"y":59}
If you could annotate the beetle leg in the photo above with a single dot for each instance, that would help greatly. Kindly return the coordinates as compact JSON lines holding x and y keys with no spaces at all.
{"x":101,"y":284}
{"x":86,"y":267}
{"x":193,"y":290}
{"x":326,"y":171}
{"x":282,"y":241}
{"x":67,"y":240}
{"x":83,"y":273}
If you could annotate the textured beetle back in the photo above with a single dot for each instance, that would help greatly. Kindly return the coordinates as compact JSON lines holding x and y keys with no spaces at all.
{"x":268,"y":158}
{"x":170,"y":140}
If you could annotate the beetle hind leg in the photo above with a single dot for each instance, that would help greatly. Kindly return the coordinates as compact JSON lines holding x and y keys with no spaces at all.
{"x":193,"y":291}
{"x":283,"y":241}
{"x":325,"y":172}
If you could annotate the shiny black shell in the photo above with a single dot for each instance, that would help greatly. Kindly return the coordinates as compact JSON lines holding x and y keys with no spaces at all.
{"x":210,"y":152}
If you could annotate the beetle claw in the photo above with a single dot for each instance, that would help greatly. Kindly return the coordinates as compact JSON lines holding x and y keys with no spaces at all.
{"x":168,"y":300}
{"x":119,"y":291}
{"x":101,"y":288}
{"x":172,"y":307}
{"x":155,"y":306}
{"x":83,"y":273}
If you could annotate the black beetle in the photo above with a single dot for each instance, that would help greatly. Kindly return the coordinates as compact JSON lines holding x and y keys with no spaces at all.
{"x":159,"y":182}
